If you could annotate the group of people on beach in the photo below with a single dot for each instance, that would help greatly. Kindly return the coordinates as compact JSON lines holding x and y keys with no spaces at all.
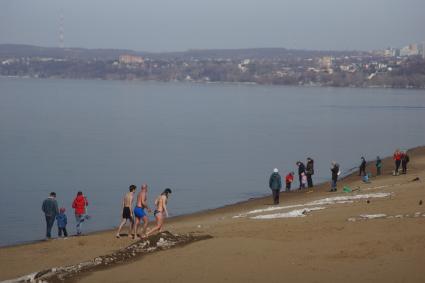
{"x":305,"y":177}
{"x":52,"y":213}
{"x":305,"y":173}
{"x":138,"y":214}
{"x":135,"y":216}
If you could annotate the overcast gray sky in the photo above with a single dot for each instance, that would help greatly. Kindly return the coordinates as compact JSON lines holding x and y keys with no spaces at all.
{"x":175,"y":25}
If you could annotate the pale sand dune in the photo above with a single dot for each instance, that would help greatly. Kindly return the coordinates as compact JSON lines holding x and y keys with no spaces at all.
{"x":346,"y":241}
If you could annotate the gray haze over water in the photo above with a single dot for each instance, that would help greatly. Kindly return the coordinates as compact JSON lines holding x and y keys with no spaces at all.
{"x":213,"y":144}
{"x":170,"y":25}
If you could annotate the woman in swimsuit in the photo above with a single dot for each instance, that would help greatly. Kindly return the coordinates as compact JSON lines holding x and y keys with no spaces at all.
{"x":160,"y":211}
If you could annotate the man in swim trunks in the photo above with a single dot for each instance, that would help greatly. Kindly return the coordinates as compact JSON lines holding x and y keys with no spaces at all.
{"x":127,"y":214}
{"x":139,"y":210}
{"x":160,"y":211}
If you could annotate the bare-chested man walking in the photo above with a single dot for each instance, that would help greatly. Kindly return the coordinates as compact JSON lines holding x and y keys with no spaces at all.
{"x":127,"y":214}
{"x":139,"y":210}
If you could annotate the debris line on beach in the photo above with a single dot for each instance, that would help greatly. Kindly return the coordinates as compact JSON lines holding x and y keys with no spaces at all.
{"x":161,"y":241}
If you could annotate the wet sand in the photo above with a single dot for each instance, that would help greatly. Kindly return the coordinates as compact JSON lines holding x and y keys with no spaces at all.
{"x":332,"y":244}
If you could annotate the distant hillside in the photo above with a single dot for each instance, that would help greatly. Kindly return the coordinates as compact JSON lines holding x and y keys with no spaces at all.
{"x":18,"y":50}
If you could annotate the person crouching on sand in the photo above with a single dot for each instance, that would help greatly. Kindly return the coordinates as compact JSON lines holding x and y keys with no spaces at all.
{"x":160,"y":211}
{"x":62,"y":220}
{"x":139,"y":210}
{"x":127,"y":214}
{"x":79,"y":205}
{"x":335,"y":173}
{"x":275,"y":184}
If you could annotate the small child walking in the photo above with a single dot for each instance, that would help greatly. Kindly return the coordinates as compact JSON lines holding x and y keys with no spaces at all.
{"x":62,"y":221}
{"x":303,"y":180}
{"x":288,"y":180}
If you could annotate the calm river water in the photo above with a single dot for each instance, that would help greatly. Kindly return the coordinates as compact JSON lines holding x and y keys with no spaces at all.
{"x":212,"y":144}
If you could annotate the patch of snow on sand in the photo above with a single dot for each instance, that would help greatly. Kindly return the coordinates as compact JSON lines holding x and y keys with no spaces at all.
{"x":325,"y":201}
{"x":26,"y":278}
{"x":373,"y":216}
{"x":290,"y":214}
{"x":268,"y":209}
{"x":338,"y":199}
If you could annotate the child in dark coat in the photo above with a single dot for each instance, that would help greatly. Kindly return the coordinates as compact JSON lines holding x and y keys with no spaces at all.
{"x":62,"y":221}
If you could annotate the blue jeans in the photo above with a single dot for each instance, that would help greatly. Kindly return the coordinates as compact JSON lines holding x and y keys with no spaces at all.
{"x":49,"y":224}
{"x":79,"y":218}
{"x":333,"y":184}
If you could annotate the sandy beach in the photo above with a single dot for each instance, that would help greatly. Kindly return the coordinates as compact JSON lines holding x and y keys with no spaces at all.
{"x":375,"y":233}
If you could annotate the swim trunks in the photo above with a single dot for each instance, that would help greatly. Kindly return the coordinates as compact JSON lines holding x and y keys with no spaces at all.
{"x":139,"y":212}
{"x":126,"y":213}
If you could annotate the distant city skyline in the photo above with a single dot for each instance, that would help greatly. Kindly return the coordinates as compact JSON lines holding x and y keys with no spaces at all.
{"x":167,"y":25}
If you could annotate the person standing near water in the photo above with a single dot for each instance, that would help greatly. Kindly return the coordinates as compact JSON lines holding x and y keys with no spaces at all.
{"x":79,"y":205}
{"x":404,"y":160}
{"x":378,"y":165}
{"x":139,"y":210}
{"x":309,"y":171}
{"x":275,"y":184}
{"x":160,"y":211}
{"x":288,"y":180}
{"x":62,"y":220}
{"x":127,"y":213}
{"x":50,"y":209}
{"x":362,"y":167}
{"x":301,"y":169}
{"x":335,"y":173}
{"x":397,"y":158}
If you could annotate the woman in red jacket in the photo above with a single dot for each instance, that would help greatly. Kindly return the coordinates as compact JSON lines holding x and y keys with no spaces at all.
{"x":79,"y":205}
{"x":397,"y":158}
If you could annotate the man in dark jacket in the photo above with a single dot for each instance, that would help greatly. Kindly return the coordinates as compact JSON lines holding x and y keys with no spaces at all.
{"x":301,"y":169}
{"x":335,"y":173}
{"x":50,"y":209}
{"x":378,"y":165}
{"x":309,"y":171}
{"x":362,"y":167}
{"x":275,"y":184}
{"x":404,"y":160}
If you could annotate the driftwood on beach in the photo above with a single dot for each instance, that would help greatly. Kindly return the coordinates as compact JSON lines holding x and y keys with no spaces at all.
{"x":161,"y":241}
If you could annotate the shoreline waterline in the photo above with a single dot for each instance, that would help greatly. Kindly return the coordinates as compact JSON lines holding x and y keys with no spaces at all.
{"x":266,"y":196}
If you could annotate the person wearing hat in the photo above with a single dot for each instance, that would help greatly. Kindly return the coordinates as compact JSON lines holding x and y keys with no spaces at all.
{"x":275,"y":184}
{"x":50,"y":209}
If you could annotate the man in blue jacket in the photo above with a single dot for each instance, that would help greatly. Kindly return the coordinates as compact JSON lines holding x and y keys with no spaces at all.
{"x":275,"y":184}
{"x":50,"y":209}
